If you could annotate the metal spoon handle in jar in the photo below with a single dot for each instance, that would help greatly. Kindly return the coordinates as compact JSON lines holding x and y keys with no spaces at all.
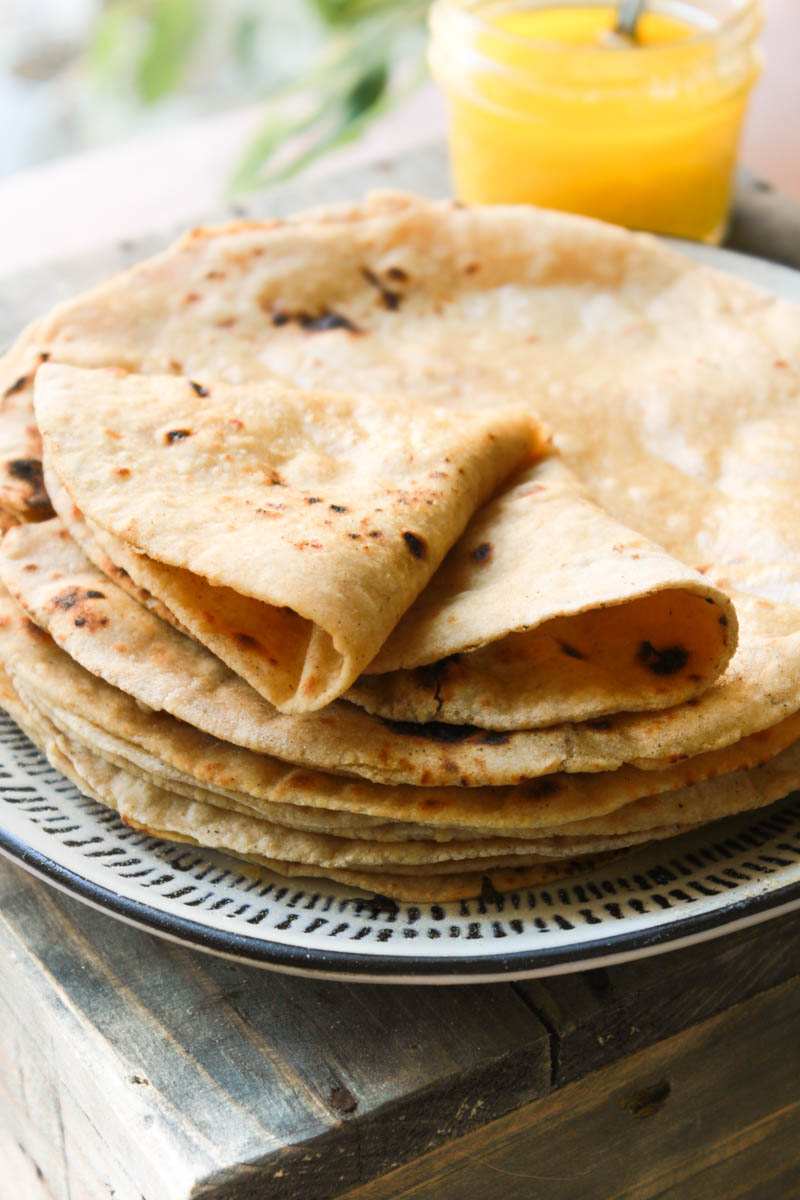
{"x":628,"y":13}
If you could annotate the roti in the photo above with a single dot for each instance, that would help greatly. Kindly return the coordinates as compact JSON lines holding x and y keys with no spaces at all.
{"x":216,"y":771}
{"x":635,"y":630}
{"x":546,"y":610}
{"x":288,"y":530}
{"x":140,"y":805}
{"x":113,"y":637}
{"x":162,"y":814}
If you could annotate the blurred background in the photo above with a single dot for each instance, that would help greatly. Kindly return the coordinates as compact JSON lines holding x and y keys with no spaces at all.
{"x":134,"y":114}
{"x":76,"y":74}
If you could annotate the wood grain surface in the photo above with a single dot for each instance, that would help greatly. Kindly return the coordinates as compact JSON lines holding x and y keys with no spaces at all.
{"x":710,"y":1113}
{"x":129,"y":1063}
{"x":132,"y":1069}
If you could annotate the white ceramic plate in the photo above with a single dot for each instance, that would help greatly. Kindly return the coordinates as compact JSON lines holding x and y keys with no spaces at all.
{"x":717,"y":879}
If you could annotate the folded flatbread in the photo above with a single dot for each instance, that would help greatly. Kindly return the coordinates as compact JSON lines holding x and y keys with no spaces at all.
{"x":286,"y":530}
{"x":548,"y":610}
{"x":635,"y":629}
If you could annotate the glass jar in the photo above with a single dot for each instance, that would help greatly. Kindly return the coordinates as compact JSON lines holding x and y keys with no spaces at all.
{"x":546,"y":106}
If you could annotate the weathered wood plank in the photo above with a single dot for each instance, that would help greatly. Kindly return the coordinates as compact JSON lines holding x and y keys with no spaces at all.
{"x":208,"y":1066}
{"x":19,"y":1177}
{"x":711,"y":1112}
{"x":597,"y":1016}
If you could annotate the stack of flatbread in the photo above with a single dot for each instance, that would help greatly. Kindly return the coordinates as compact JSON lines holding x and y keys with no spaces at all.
{"x":420,"y":548}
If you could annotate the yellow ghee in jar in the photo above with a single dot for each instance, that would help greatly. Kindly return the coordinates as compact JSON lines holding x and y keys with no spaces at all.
{"x":547,"y":107}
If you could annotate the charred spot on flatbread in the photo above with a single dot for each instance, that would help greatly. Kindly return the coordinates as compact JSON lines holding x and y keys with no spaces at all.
{"x":84,"y":615}
{"x":494,"y":737}
{"x":416,"y":544}
{"x":438,"y":731}
{"x":320,"y":323}
{"x":542,"y":787}
{"x":29,"y":471}
{"x":248,"y":642}
{"x":433,"y":731}
{"x":482,"y":553}
{"x":17,"y":386}
{"x":666,"y":661}
{"x":67,"y":599}
{"x":390,"y":298}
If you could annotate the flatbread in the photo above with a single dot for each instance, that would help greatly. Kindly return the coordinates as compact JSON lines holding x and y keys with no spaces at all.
{"x":256,"y":833}
{"x":288,"y":531}
{"x":159,"y":813}
{"x":113,"y":637}
{"x":408,"y":870}
{"x":140,"y":805}
{"x":177,"y":753}
{"x":681,"y":803}
{"x":96,"y":544}
{"x":664,"y":638}
{"x":22,"y":492}
{"x":547,"y":610}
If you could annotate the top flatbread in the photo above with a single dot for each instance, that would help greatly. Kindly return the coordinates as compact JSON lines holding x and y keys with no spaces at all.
{"x":548,"y":610}
{"x":636,"y":630}
{"x":296,"y":527}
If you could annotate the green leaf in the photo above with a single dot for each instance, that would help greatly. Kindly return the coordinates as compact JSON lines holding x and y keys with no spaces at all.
{"x":173,"y":30}
{"x":263,"y":146}
{"x":349,"y":12}
{"x":244,"y":36}
{"x":110,"y":34}
{"x":367,"y":91}
{"x":336,"y":120}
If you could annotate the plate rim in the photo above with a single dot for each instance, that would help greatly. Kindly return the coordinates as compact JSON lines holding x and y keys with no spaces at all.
{"x":504,"y":966}
{"x":348,"y":965}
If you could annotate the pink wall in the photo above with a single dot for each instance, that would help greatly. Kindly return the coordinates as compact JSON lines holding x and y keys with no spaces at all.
{"x":772,"y":134}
